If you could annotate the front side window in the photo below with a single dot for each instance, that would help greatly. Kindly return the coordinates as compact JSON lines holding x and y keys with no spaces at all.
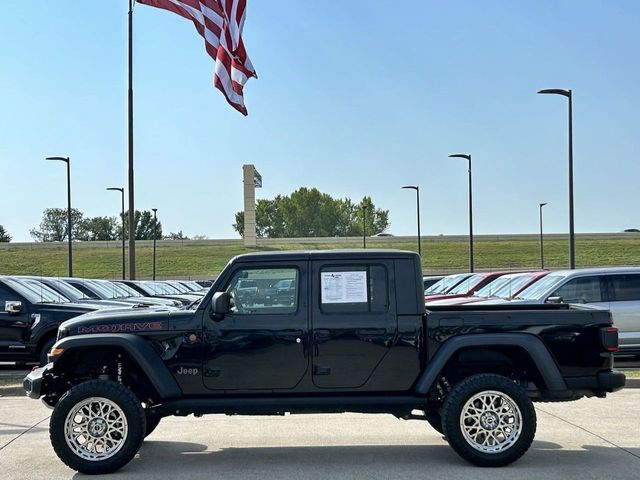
{"x":580,"y":290}
{"x":263,"y":291}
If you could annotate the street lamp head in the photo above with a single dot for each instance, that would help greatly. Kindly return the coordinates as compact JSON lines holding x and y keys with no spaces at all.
{"x":556,"y":91}
{"x":61,"y":159}
{"x":414,"y":187}
{"x":461,"y":155}
{"x":117,"y":189}
{"x":154,"y":210}
{"x":542,"y":205}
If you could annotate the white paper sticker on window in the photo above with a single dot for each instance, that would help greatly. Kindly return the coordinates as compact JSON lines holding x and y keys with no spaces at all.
{"x":344,"y":287}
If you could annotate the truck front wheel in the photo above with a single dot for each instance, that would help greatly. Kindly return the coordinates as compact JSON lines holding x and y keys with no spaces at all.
{"x":489,"y":420}
{"x":97,"y":427}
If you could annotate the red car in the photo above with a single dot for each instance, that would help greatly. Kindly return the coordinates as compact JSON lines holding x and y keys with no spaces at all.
{"x":506,"y":286}
{"x":468,"y":286}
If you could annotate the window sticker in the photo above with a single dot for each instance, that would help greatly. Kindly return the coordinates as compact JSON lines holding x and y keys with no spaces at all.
{"x":344,"y":287}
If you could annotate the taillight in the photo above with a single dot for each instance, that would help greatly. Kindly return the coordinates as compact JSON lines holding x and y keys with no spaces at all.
{"x":609,"y":338}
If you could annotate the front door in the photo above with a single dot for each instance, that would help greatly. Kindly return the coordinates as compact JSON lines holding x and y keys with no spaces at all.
{"x":353,"y":319}
{"x":261,"y":343}
{"x":14,"y":327}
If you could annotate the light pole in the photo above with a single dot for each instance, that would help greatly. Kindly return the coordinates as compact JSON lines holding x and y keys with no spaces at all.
{"x":541,"y":239}
{"x":121,"y":190}
{"x":468,"y":158}
{"x":572,"y":233}
{"x":364,"y":226}
{"x":155,"y":235}
{"x":67,"y":160}
{"x":417,"y":189}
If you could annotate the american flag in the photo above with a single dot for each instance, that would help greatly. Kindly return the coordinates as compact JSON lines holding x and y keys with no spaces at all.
{"x":220,"y":23}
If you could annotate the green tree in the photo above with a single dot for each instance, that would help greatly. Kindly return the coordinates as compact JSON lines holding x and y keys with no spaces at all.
{"x":54,"y":225}
{"x":100,"y":228}
{"x":144,"y":225}
{"x":176,"y":236}
{"x":311,"y":213}
{"x":4,"y":235}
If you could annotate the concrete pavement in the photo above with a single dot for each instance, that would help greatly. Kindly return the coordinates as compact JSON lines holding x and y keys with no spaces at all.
{"x":587,"y":439}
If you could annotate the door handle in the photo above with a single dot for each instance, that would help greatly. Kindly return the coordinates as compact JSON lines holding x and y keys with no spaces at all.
{"x":321,"y":370}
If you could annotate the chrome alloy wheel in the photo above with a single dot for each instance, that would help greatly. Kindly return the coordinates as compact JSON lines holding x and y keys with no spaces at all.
{"x":95,"y":429}
{"x":491,"y":421}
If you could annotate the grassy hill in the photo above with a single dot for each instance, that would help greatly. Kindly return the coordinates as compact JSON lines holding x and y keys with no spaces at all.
{"x":205,"y":259}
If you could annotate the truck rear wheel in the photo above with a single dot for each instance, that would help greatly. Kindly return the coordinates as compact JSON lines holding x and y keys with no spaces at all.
{"x":97,"y":427}
{"x":489,"y":420}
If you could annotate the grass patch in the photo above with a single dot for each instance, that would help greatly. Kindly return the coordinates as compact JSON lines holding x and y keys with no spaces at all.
{"x":440,"y":255}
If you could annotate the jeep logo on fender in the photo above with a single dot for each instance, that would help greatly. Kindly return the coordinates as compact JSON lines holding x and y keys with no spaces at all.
{"x":187,"y":371}
{"x":122,"y":327}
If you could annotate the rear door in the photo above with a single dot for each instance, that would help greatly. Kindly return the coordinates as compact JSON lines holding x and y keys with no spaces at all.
{"x":624,"y":290}
{"x":353,"y":320}
{"x":259,"y":345}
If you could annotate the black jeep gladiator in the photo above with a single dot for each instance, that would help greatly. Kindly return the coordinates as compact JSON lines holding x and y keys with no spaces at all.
{"x":352,"y":337}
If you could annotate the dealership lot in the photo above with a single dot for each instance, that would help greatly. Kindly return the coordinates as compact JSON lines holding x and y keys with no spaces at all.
{"x":587,"y":439}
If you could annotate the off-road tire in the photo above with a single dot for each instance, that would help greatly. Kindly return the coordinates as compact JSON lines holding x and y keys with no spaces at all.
{"x":119,"y":395}
{"x":453,"y":415}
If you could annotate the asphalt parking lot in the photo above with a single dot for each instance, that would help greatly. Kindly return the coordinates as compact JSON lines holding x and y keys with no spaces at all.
{"x":588,"y":439}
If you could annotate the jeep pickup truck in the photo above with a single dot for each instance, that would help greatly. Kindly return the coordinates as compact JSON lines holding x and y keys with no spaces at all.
{"x":354,"y":337}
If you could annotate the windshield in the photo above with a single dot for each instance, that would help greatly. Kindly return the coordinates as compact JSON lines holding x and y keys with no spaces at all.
{"x":45,"y":291}
{"x":164,"y":288}
{"x":104,"y":292}
{"x":126,"y":288}
{"x":490,"y":289}
{"x":445,"y":284}
{"x":539,"y":289}
{"x":149,"y":290}
{"x":514,"y":284}
{"x":194,"y":286}
{"x":467,"y":285}
{"x":179,"y":287}
{"x":72,"y":293}
{"x":35,"y":294}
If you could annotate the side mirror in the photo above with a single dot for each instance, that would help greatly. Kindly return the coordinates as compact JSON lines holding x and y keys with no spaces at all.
{"x":13,"y":307}
{"x":554,"y":300}
{"x":220,"y":305}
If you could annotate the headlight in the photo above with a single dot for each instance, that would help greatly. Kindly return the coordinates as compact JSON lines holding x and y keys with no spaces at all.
{"x":62,"y":332}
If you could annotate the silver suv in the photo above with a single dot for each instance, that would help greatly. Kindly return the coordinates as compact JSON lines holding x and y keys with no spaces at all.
{"x":613,"y":288}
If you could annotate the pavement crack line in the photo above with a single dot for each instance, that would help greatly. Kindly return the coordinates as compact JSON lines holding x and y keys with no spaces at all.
{"x":592,"y":433}
{"x":26,"y":431}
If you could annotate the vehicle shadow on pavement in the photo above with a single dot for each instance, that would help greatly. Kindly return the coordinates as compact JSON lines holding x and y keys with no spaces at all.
{"x":161,"y":459}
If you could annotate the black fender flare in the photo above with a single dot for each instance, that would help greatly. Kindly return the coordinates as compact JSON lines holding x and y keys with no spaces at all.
{"x":532,"y":344}
{"x":139,"y":350}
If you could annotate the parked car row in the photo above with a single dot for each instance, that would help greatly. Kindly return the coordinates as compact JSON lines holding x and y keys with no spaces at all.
{"x":614,"y":288}
{"x":32,"y":308}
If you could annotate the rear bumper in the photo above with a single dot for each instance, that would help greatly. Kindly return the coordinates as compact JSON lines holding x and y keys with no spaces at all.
{"x":604,"y":382}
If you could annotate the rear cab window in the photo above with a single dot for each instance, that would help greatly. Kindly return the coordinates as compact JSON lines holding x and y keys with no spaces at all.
{"x":354,"y":289}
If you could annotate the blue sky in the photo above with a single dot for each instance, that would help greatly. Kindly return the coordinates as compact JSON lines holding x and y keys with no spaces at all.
{"x":356,"y":100}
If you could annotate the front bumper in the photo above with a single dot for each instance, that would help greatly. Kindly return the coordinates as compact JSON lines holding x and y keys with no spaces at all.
{"x":32,"y":383}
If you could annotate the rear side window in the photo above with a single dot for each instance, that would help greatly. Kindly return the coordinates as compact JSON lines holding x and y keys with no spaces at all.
{"x":625,"y":287}
{"x":354,"y":289}
{"x":580,"y":290}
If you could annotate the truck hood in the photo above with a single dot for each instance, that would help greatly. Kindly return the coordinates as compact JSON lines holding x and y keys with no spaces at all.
{"x":126,"y":320}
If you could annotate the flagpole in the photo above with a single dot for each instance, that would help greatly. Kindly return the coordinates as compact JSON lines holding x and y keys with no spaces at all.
{"x":132,"y":210}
